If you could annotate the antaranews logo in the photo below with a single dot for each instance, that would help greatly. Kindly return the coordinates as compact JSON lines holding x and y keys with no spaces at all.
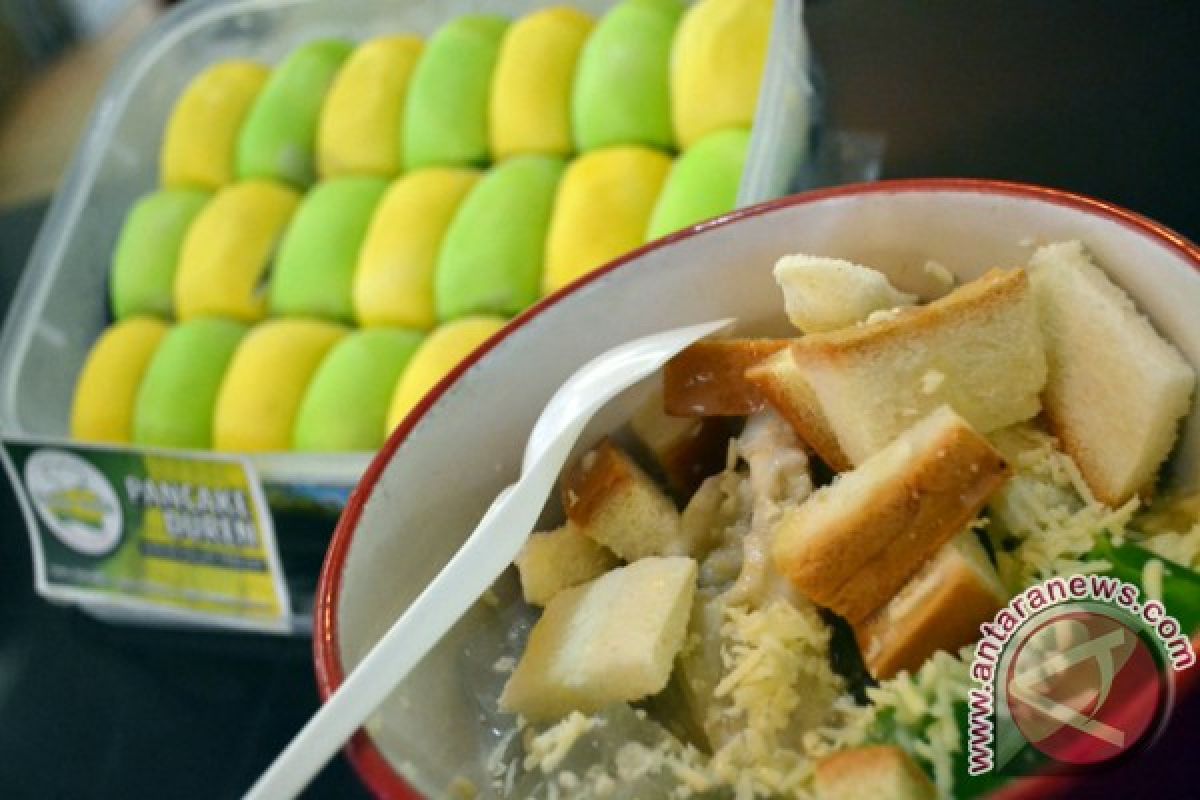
{"x":1078,"y":667}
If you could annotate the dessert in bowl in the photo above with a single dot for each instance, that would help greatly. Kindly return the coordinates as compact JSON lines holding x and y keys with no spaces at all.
{"x":457,"y":449}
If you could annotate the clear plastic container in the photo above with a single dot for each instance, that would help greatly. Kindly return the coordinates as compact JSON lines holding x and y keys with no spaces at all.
{"x":61,"y":305}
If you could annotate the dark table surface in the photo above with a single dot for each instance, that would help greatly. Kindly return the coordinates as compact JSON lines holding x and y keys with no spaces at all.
{"x":1098,"y":97}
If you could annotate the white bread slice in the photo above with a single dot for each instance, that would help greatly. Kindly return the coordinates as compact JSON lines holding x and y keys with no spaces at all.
{"x":1117,"y":389}
{"x":686,"y":449}
{"x":780,"y":382}
{"x":612,"y":640}
{"x":824,"y":294}
{"x":707,"y":378}
{"x":854,"y":543}
{"x":611,"y":500}
{"x":560,"y":559}
{"x":940,"y":608}
{"x":978,"y":349}
{"x":880,"y":772}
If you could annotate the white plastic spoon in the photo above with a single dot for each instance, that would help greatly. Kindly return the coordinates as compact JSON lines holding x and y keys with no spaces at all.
{"x":478,"y":563}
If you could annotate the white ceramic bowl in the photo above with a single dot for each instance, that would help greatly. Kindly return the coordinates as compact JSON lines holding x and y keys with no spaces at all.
{"x":432,"y":481}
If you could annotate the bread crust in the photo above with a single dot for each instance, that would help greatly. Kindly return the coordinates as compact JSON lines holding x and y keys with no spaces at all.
{"x":683,"y":450}
{"x":614,"y":503}
{"x":708,"y":378}
{"x":842,"y":774}
{"x":594,"y":480}
{"x":1117,"y":389}
{"x":978,"y":349}
{"x":857,"y":562}
{"x":691,"y":459}
{"x":997,"y":288}
{"x":1074,"y":444}
{"x":784,"y":388}
{"x":945,"y":616}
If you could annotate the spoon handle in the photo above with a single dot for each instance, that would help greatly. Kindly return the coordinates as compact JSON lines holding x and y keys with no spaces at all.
{"x":485,"y":554}
{"x":475,"y":567}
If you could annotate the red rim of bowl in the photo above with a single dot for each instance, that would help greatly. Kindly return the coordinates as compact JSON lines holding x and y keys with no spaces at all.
{"x":372,"y":767}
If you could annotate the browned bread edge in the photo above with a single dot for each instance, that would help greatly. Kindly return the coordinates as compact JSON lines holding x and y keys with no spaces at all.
{"x":708,"y":378}
{"x":886,"y":537}
{"x":803,"y":413}
{"x":945,"y":618}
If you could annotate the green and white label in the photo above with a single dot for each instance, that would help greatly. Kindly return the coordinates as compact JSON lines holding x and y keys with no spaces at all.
{"x":174,"y":534}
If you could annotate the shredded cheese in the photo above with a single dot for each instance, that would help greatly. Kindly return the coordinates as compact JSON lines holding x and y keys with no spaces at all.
{"x":633,"y":760}
{"x":462,"y":788}
{"x":774,"y":692}
{"x":1182,"y":548}
{"x":1047,"y":519}
{"x":546,"y":750}
{"x":779,"y":683}
{"x":1171,"y":529}
{"x":922,"y":706}
{"x":778,"y":687}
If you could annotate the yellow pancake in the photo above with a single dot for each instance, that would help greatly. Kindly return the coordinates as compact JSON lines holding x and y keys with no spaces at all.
{"x":393,"y":283}
{"x":362,"y":119}
{"x":228,"y":250}
{"x":717,"y":63}
{"x":441,"y":352}
{"x":266,"y":382}
{"x":530,"y":105}
{"x":201,"y":137}
{"x":106,"y":391}
{"x":601,"y":211}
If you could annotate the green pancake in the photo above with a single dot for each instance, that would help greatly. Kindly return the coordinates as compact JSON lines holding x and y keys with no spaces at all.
{"x":703,"y":182}
{"x":314,"y":270}
{"x":175,"y":402}
{"x":446,"y":112}
{"x":492,"y":255}
{"x":278,"y":138}
{"x":622,"y":90}
{"x":345,"y":407}
{"x":147,"y":253}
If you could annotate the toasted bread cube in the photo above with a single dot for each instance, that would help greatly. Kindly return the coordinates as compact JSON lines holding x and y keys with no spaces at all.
{"x":707,"y":378}
{"x":785,"y":389}
{"x":610,"y":499}
{"x":978,"y":350}
{"x":940,"y":608}
{"x":1116,"y":389}
{"x":611,"y":640}
{"x":854,"y":543}
{"x":824,"y":294}
{"x":686,"y":450}
{"x":881,"y":772}
{"x":560,"y":559}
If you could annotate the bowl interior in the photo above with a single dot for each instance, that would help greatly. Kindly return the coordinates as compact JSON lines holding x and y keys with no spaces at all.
{"x":431,"y":485}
